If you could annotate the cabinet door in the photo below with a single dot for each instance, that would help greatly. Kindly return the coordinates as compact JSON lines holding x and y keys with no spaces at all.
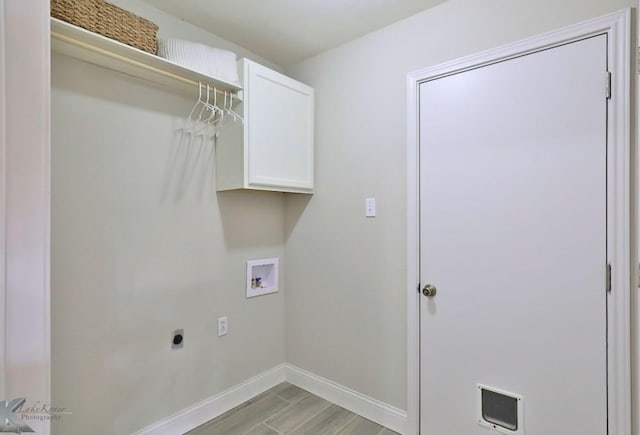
{"x":279,"y":131}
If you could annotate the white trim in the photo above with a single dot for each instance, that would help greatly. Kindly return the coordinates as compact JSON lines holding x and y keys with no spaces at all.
{"x":3,"y":221}
{"x":413,"y":258}
{"x":358,"y":403}
{"x":27,"y":187}
{"x":206,"y":410}
{"x":46,"y":153}
{"x":200,"y":413}
{"x":635,"y":225}
{"x":619,"y":225}
{"x":618,"y":28}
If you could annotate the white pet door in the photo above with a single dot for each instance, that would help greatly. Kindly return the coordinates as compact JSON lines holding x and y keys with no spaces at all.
{"x":500,"y":410}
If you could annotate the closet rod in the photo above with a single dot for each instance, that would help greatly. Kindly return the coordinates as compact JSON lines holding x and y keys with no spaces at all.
{"x":107,"y":53}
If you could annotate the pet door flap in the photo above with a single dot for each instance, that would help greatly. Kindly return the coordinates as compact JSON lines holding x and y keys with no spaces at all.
{"x":500,"y":410}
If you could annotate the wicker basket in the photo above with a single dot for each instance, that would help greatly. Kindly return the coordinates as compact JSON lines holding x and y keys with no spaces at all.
{"x":108,"y":20}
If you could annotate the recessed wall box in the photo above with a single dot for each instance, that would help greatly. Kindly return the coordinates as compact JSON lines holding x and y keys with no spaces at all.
{"x":262,"y":277}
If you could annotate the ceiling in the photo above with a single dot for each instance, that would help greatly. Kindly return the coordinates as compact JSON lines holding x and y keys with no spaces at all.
{"x":288,"y":31}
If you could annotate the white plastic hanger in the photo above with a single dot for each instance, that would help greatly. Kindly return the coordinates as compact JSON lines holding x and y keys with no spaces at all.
{"x":211,"y":107}
{"x":217,"y":111}
{"x":214,"y":108}
{"x":198,"y":102}
{"x":205,"y":106}
{"x":235,"y":114}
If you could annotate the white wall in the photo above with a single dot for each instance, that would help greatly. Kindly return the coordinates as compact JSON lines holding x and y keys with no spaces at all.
{"x":141,"y":245}
{"x":172,"y":27}
{"x":24,"y":181}
{"x":345,"y":306}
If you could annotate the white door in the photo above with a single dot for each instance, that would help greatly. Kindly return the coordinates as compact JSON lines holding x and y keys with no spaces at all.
{"x":513,"y":237}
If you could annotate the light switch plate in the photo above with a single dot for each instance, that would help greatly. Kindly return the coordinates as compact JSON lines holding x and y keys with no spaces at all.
{"x":370,"y":207}
{"x":223,"y":326}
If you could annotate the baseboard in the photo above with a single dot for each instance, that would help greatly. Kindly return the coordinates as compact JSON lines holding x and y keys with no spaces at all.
{"x":192,"y":417}
{"x":372,"y":409}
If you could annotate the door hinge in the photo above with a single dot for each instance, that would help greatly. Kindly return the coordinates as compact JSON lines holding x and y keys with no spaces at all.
{"x":608,"y":85}
{"x":608,"y":283}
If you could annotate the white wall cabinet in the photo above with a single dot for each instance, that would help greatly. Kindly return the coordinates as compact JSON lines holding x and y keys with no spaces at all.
{"x":273,"y":149}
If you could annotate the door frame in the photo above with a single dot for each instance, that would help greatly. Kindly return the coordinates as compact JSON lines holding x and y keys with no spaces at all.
{"x":620,"y":143}
{"x":3,"y":221}
{"x":25,"y":186}
{"x":3,"y":225}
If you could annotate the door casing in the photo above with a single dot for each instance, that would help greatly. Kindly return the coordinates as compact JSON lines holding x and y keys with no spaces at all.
{"x":24,"y":210}
{"x":617,"y":26}
{"x":3,"y":224}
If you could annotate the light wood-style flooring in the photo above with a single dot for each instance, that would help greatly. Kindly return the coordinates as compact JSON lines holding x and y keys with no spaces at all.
{"x":288,"y":410}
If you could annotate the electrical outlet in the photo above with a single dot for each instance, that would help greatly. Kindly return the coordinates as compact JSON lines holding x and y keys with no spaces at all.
{"x":223,"y":326}
{"x":177,"y":339}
